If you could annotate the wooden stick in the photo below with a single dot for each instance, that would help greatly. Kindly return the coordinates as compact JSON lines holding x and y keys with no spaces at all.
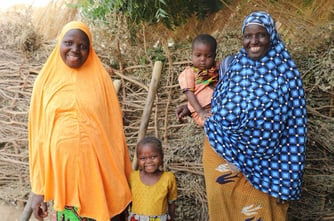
{"x":131,"y":80}
{"x":27,"y":211}
{"x":148,"y":105}
{"x":117,"y":85}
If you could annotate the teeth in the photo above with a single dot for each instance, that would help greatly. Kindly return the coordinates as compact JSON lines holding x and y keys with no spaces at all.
{"x":254,"y":49}
{"x":73,"y":58}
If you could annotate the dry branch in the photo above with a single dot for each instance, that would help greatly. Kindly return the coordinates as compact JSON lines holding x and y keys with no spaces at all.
{"x":182,"y":142}
{"x":148,"y":105}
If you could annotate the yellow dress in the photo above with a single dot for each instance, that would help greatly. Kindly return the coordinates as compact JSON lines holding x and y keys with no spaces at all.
{"x":152,"y":200}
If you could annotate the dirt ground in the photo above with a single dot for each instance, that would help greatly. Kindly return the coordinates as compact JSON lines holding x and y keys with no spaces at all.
{"x":11,"y":213}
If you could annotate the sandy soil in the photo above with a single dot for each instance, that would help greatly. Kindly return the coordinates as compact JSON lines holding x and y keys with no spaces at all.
{"x":11,"y":213}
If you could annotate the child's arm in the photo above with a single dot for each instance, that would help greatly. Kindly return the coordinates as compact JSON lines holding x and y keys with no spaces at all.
{"x":126,"y":212}
{"x":172,"y":196}
{"x":196,"y":105}
{"x":187,"y":83}
{"x":171,"y":210}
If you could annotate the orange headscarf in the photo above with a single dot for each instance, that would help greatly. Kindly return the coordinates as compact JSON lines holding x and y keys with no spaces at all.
{"x":77,"y":148}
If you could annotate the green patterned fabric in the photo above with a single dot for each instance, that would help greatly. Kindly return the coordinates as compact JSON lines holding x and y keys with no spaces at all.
{"x":70,"y":214}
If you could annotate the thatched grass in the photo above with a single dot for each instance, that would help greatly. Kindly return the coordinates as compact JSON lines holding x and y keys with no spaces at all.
{"x":129,"y":56}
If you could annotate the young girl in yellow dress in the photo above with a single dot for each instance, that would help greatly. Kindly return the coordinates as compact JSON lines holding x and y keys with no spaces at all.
{"x":153,"y":191}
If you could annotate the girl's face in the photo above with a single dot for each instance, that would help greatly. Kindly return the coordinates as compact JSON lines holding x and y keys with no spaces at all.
{"x":74,"y":48}
{"x":256,"y":41}
{"x":203,"y":56}
{"x":149,"y":158}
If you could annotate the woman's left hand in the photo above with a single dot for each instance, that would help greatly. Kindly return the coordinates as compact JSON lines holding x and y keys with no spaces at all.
{"x":40,"y":208}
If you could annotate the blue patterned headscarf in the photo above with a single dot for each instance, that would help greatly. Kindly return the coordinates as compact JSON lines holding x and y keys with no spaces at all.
{"x":258,"y":120}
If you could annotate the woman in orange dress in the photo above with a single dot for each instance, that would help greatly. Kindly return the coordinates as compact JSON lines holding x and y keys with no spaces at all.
{"x":77,"y":151}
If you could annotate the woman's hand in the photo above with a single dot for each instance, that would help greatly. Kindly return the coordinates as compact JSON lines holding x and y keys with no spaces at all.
{"x":39,"y":207}
{"x":204,"y":114}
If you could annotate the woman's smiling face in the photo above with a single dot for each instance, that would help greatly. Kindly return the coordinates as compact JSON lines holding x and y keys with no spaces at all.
{"x":256,"y":41}
{"x":74,"y":48}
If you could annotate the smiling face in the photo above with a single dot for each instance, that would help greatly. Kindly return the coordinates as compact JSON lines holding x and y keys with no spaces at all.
{"x":256,"y":41}
{"x":203,"y":56}
{"x":149,"y":158}
{"x":74,"y":48}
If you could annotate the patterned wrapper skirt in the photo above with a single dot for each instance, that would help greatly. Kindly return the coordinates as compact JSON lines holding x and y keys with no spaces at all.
{"x":70,"y":213}
{"x":231,"y":197}
{"x":136,"y":217}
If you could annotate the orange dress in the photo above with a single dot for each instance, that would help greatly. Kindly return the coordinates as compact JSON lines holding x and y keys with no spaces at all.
{"x":77,"y":149}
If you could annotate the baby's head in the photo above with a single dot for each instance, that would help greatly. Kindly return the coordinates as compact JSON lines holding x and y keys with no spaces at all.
{"x":204,"y":48}
{"x":149,"y":154}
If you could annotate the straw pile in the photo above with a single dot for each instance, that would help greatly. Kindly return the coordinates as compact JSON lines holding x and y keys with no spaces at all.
{"x":132,"y":63}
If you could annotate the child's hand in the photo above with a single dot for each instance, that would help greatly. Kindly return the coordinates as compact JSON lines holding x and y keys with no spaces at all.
{"x":181,"y":112}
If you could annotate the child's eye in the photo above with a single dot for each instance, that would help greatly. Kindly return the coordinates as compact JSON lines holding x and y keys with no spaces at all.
{"x":67,"y":43}
{"x":153,"y":157}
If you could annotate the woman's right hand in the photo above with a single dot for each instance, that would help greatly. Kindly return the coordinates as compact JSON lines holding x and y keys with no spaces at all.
{"x":39,"y":207}
{"x":204,"y":114}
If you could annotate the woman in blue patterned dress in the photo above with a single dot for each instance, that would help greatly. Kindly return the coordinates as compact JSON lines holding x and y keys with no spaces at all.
{"x":254,"y":151}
